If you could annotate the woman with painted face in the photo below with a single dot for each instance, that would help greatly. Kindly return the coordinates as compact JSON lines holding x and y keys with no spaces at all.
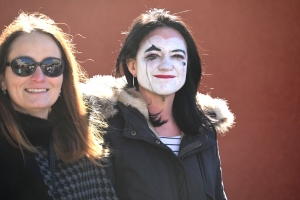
{"x":48,"y":150}
{"x":163,"y":133}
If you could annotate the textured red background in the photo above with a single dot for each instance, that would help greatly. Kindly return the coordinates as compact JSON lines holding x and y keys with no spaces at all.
{"x":251,"y":54}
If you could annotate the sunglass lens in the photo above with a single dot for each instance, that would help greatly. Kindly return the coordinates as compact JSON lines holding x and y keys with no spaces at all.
{"x":23,"y":66}
{"x":52,"y":67}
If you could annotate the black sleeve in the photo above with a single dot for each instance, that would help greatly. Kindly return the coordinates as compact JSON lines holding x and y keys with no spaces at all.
{"x":220,"y":193}
{"x":113,"y":133}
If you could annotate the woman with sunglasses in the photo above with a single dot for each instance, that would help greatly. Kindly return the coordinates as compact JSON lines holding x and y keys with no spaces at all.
{"x":48,"y":150}
{"x":161,"y":131}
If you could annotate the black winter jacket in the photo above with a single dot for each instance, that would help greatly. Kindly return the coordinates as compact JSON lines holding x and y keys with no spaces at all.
{"x":145,"y":168}
{"x":29,"y":177}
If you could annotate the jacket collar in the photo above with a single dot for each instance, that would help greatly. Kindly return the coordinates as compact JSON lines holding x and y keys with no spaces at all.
{"x":37,"y":131}
{"x":136,"y":128}
{"x":103,"y":93}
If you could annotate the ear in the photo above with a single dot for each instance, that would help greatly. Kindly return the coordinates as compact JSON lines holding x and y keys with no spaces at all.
{"x":131,"y":65}
{"x":3,"y":83}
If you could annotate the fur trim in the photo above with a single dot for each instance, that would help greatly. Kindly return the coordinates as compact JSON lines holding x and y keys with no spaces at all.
{"x":108,"y":90}
{"x":217,"y":111}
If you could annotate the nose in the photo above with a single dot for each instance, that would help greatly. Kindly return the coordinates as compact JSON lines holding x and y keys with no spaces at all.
{"x":38,"y":75}
{"x":166,"y":65}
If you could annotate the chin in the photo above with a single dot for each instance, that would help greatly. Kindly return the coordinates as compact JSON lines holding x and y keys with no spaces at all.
{"x":40,"y":106}
{"x":165,"y":93}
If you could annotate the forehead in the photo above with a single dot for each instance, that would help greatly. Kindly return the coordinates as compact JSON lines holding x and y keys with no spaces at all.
{"x":32,"y":38}
{"x":34,"y":44}
{"x":163,"y":34}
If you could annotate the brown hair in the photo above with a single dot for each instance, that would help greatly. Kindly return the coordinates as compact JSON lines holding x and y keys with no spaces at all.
{"x":73,"y":136}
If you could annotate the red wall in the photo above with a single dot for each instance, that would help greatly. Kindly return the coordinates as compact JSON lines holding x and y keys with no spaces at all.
{"x":251,"y":51}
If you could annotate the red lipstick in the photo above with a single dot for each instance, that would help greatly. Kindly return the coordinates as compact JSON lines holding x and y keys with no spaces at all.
{"x":164,"y":76}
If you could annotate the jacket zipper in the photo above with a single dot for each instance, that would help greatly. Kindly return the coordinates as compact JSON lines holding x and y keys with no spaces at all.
{"x":190,"y":149}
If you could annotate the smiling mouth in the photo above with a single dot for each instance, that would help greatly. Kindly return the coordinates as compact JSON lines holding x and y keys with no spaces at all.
{"x":36,"y":90}
{"x":164,"y":76}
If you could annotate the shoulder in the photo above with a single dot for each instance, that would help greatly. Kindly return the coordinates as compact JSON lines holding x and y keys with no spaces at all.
{"x":126,"y":117}
{"x":11,"y":167}
{"x":217,"y":111}
{"x":102,"y":94}
{"x":6,"y":149}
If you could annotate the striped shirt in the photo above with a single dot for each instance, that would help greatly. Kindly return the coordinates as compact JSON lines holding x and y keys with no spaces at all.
{"x":172,"y":142}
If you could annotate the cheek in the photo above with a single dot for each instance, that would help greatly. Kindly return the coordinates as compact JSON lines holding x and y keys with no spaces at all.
{"x":57,"y":82}
{"x":146,"y":67}
{"x":14,"y":85}
{"x":184,"y":71}
{"x":60,"y":82}
{"x":181,"y":68}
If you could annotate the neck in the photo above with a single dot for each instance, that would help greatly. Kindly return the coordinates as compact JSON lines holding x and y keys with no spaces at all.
{"x":43,"y":114}
{"x":163,"y":105}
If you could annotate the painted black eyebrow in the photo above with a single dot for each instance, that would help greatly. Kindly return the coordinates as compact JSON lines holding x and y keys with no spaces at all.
{"x":152,"y":48}
{"x":176,"y":50}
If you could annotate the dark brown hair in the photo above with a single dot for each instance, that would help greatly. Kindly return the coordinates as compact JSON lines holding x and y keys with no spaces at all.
{"x":187,"y":114}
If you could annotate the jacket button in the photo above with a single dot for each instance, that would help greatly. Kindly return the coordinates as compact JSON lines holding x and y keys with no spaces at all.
{"x":133,"y":133}
{"x":190,"y":138}
{"x":157,"y":141}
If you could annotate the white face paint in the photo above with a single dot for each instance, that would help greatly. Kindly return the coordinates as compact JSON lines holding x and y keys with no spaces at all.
{"x":161,"y":61}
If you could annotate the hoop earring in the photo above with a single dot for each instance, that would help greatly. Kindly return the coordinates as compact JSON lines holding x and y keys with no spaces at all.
{"x":4,"y":92}
{"x":133,"y":81}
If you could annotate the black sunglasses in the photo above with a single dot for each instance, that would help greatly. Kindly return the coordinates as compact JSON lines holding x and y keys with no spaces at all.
{"x":25,"y":66}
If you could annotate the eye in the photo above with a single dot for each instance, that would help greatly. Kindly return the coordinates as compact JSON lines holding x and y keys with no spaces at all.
{"x":151,"y":56}
{"x":178,"y":56}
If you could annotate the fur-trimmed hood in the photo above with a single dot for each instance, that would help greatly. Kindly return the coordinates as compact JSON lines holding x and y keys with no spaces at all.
{"x":103,"y":93}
